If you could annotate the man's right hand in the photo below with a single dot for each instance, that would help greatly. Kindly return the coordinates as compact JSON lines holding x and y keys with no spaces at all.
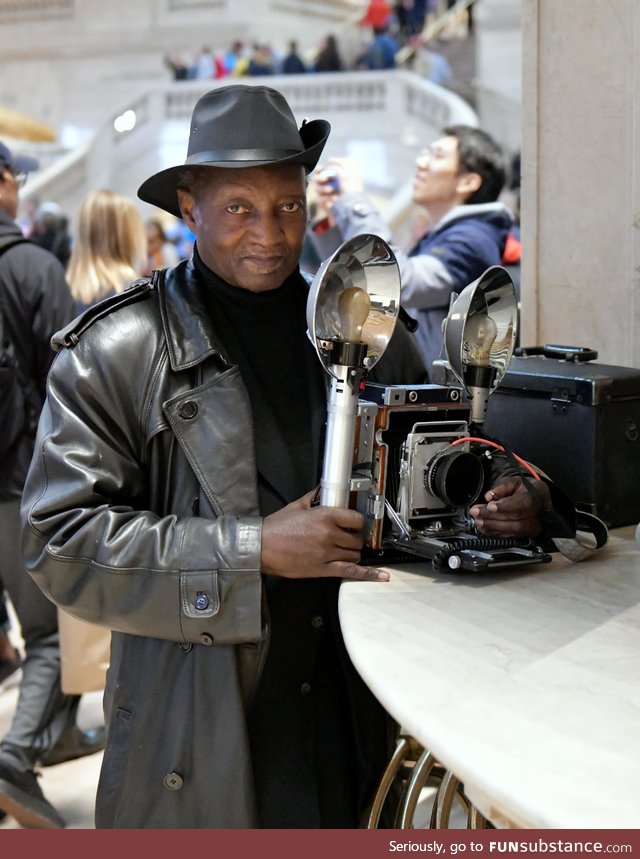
{"x":303,"y":541}
{"x":347,"y":172}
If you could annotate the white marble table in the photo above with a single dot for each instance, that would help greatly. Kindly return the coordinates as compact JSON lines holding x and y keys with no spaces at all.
{"x":526,"y":684}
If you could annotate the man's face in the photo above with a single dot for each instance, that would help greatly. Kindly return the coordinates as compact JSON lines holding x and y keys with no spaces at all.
{"x":437,"y":176}
{"x":9,"y":188}
{"x":250,"y":223}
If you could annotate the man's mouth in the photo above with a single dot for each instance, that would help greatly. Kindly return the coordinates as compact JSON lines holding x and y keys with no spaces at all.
{"x":264,"y":263}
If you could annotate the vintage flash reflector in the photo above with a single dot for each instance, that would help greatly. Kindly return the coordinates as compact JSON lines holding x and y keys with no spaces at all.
{"x":352,"y":310}
{"x":480,"y":335}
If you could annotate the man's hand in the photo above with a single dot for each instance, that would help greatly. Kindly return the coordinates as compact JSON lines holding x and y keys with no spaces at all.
{"x":339,"y":176}
{"x":302,"y":541}
{"x":511,"y":511}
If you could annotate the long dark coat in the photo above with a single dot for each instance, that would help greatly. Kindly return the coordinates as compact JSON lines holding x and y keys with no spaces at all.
{"x":141,"y":514}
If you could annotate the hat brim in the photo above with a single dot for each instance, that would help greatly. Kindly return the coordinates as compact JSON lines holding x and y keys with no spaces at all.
{"x":161,"y":189}
{"x":24,"y":164}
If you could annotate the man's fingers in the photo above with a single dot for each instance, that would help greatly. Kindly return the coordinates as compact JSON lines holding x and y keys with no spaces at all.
{"x":355,"y":572}
{"x":346,"y":542}
{"x":349,"y":520}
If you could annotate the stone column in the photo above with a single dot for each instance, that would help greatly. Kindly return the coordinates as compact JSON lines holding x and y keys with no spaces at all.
{"x":581,"y":176}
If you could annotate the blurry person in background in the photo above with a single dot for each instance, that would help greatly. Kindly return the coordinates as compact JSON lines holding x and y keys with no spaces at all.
{"x":328,"y":58}
{"x":236,"y":59}
{"x":178,"y":68}
{"x":50,"y":230}
{"x":410,"y":15}
{"x":261,"y":61}
{"x":181,"y":236}
{"x":380,"y":53}
{"x":292,"y":64}
{"x":160,"y":251}
{"x":109,"y":248}
{"x":429,"y":62}
{"x":378,"y":13}
{"x":204,"y":66}
{"x":36,"y":302}
{"x":458,"y":180}
{"x":28,"y":208}
{"x":10,"y":658}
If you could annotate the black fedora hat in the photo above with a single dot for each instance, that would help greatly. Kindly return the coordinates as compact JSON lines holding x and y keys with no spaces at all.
{"x":240,"y":126}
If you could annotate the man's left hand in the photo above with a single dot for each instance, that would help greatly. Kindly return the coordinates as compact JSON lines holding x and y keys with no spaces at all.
{"x":511,"y":510}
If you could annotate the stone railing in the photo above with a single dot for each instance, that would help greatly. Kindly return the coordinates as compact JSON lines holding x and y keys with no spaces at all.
{"x":387,"y":116}
{"x":30,"y":11}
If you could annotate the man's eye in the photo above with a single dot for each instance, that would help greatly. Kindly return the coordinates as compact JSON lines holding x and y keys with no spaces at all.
{"x":235,"y":209}
{"x":292,"y":207}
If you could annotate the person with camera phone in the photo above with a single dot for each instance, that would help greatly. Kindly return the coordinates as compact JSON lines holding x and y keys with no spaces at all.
{"x":171,"y":499}
{"x":458,"y":180}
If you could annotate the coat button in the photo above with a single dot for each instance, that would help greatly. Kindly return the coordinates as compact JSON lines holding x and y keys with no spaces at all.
{"x":173,"y":781}
{"x":201,"y":602}
{"x":206,"y":639}
{"x":188,"y":410}
{"x":317,"y":621}
{"x":305,"y":688}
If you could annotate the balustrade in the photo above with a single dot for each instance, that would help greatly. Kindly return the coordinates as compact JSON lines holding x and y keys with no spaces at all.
{"x":398,"y":109}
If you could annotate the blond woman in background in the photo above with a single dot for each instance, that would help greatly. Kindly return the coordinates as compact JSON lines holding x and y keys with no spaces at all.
{"x":109,"y":249}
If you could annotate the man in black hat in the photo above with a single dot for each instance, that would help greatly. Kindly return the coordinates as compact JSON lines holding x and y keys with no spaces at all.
{"x":171,"y":499}
{"x":36,"y":302}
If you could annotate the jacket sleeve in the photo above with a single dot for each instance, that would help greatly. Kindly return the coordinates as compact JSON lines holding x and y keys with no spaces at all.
{"x":45,"y":304}
{"x":93,"y":545}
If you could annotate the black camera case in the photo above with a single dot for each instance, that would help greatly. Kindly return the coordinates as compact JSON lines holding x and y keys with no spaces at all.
{"x":577,"y":420}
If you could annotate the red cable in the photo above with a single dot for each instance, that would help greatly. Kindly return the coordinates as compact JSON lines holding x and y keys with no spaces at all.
{"x":499,"y":447}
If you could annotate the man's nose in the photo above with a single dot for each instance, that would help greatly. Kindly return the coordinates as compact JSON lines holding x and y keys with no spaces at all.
{"x":423,"y":159}
{"x":267,"y":229}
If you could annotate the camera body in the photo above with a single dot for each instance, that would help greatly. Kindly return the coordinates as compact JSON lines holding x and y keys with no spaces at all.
{"x":417,"y":471}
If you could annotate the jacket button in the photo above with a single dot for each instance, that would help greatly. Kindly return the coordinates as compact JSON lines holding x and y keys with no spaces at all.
{"x":305,"y":688}
{"x":188,"y":410}
{"x":173,"y":781}
{"x":201,"y":602}
{"x":206,"y":639}
{"x":317,"y":621}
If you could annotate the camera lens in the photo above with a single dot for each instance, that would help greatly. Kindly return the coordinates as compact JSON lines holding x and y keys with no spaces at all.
{"x":455,"y":477}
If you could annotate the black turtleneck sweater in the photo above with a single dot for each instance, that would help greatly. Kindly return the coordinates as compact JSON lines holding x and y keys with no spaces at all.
{"x":318,"y":737}
{"x":304,"y":750}
{"x":264,"y":333}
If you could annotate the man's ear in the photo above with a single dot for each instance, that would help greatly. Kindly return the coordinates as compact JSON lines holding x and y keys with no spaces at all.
{"x":186,"y":204}
{"x":468,"y":184}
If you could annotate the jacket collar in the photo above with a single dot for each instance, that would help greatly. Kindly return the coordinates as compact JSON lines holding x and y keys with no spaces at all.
{"x":191,"y":338}
{"x":496,"y":212}
{"x":189,"y":332}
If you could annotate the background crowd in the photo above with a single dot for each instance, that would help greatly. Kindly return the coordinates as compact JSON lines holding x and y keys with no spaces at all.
{"x":392,"y":37}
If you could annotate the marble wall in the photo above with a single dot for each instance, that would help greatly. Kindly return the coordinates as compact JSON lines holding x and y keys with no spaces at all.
{"x":581,"y":176}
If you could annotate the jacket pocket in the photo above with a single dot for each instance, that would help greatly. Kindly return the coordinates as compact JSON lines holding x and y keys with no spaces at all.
{"x":114,"y":762}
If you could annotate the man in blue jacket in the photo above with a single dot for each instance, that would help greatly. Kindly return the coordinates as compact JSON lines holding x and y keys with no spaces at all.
{"x":458,"y":180}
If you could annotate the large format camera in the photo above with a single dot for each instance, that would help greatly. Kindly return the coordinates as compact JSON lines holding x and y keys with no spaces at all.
{"x":412,"y":459}
{"x":419,"y":466}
